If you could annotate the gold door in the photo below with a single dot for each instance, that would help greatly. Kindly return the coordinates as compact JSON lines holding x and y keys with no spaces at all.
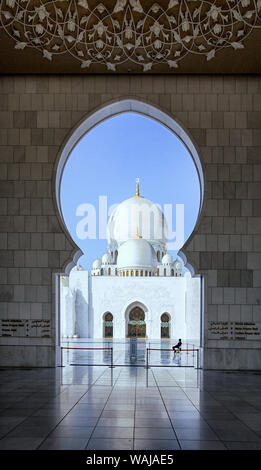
{"x":136,"y":324}
{"x":131,"y":331}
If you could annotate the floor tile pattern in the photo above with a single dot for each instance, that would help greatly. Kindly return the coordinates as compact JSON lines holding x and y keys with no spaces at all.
{"x":97,"y":407}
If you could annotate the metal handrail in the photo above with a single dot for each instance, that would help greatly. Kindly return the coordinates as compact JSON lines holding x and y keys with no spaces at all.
{"x":82,"y":349}
{"x":180,"y":350}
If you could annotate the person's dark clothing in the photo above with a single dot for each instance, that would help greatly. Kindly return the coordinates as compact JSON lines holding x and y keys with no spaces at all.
{"x":177,"y":346}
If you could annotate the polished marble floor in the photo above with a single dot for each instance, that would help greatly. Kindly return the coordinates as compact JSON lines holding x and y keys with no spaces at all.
{"x":96,"y":407}
{"x":132,"y":351}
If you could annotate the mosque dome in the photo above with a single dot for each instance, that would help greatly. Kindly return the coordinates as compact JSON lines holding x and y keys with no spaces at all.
{"x":78,"y":267}
{"x":178,"y":265}
{"x":106,"y":259}
{"x":136,"y":253}
{"x":137,"y":212}
{"x":167,"y":259}
{"x":96,"y":264}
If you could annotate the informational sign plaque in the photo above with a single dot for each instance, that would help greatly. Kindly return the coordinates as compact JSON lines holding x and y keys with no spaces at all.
{"x":25,"y":328}
{"x":225,"y":330}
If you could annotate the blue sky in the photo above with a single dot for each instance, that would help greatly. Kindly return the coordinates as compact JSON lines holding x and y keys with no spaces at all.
{"x":107,"y":161}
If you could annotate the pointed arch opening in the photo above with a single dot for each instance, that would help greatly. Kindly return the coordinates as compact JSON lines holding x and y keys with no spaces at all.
{"x":90,"y":122}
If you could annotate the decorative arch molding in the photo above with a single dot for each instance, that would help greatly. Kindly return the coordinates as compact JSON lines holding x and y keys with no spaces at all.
{"x":192,"y":268}
{"x":132,"y":305}
{"x":107,"y":111}
{"x":106,"y":313}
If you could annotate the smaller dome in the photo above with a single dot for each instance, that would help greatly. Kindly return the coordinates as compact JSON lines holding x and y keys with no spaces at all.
{"x":96,"y":264}
{"x":136,"y":252}
{"x":106,"y":259}
{"x":78,"y":267}
{"x":167,"y":259}
{"x":178,"y":265}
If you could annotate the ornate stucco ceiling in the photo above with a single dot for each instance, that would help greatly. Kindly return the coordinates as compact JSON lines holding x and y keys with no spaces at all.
{"x":135,"y":36}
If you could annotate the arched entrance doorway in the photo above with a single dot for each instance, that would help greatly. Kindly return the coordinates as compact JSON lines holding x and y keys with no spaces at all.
{"x":108,"y":325}
{"x":165,"y":326}
{"x":136,"y":323}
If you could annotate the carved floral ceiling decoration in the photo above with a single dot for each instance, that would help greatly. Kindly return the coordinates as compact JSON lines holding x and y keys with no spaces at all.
{"x":140,"y":33}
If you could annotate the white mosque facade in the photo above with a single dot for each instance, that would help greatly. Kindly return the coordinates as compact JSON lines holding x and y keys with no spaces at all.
{"x":136,"y":289}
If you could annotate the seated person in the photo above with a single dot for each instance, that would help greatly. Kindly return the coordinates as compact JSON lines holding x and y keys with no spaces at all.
{"x":177,"y":347}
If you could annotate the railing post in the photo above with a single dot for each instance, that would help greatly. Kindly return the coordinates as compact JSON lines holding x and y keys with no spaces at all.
{"x":111,"y":358}
{"x":147,"y":358}
{"x":61,"y":356}
{"x":197,"y":358}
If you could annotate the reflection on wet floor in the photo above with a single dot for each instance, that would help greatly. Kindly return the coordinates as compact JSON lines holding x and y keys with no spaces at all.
{"x":129,"y":352}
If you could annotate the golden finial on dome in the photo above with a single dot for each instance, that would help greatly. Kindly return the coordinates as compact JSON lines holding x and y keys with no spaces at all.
{"x":137,"y":187}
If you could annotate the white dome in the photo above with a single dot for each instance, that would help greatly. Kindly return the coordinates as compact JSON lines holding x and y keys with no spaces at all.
{"x":78,"y":267}
{"x":106,"y":259}
{"x":137,"y":213}
{"x":136,"y":253}
{"x":96,"y":264}
{"x":167,"y":259}
{"x":178,"y":265}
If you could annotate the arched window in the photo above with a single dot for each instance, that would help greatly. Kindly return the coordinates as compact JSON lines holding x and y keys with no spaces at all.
{"x":108,"y":325}
{"x":141,"y":273}
{"x":165,"y":272}
{"x":109,"y":271}
{"x":172,"y":272}
{"x":158,"y":272}
{"x":158,"y":255}
{"x":137,"y":272}
{"x":146,"y":273}
{"x":116,"y":256}
{"x":132,"y":273}
{"x":116,"y":272}
{"x":165,"y":325}
{"x":101,"y":271}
